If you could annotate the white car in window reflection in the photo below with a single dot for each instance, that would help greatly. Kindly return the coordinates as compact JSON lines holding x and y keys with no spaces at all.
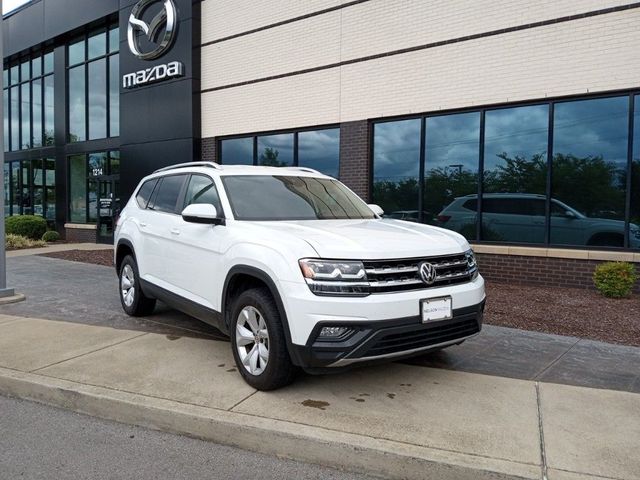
{"x":520,"y":217}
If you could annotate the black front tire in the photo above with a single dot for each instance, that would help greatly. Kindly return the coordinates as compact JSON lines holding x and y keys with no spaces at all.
{"x":279,"y":370}
{"x":137,"y":304}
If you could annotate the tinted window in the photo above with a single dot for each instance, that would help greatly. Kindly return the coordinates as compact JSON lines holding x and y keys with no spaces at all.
{"x":144,"y":194}
{"x":634,"y":237}
{"x":452,"y":151}
{"x":589,"y":170}
{"x":275,"y":150}
{"x":514,"y":206}
{"x":237,"y":151}
{"x":201,"y":189}
{"x":320,"y":150}
{"x":396,"y":165}
{"x":515,"y":161}
{"x":168,"y":192}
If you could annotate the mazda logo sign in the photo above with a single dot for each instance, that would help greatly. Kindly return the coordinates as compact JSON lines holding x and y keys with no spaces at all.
{"x":428,"y":273}
{"x":166,"y":17}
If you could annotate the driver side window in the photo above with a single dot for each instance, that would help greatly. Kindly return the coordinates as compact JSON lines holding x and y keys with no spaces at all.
{"x":201,"y":189}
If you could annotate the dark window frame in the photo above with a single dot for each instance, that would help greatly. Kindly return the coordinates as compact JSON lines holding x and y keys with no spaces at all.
{"x":631,"y":93}
{"x":295,"y":131}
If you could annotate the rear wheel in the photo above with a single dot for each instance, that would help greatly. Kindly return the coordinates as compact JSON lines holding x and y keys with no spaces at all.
{"x":134,"y":301}
{"x":258,"y":341}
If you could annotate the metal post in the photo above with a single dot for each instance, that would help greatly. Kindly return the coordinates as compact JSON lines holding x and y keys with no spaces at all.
{"x":4,"y":291}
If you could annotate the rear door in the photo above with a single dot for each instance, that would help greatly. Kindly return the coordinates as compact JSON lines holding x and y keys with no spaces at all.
{"x":163,"y":215}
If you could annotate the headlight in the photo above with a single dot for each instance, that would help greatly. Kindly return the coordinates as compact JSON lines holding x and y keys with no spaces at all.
{"x":636,"y":233}
{"x":335,"y":277}
{"x":472,"y":266}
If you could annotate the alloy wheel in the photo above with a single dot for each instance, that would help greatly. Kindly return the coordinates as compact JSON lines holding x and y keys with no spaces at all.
{"x":252,"y":340}
{"x":127,"y":285}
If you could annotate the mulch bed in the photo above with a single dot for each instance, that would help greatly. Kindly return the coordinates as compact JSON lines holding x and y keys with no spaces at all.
{"x":96,"y":257}
{"x":563,"y":311}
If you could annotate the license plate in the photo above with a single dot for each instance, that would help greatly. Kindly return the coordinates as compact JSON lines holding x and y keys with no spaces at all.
{"x":433,"y":309}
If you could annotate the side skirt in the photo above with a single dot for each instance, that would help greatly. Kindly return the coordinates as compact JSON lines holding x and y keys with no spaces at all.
{"x":202,"y":313}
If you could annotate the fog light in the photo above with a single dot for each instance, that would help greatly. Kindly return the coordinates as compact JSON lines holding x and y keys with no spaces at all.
{"x":333,"y":332}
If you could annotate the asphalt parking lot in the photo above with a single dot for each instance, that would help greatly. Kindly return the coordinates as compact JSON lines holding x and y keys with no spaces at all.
{"x":83,"y":293}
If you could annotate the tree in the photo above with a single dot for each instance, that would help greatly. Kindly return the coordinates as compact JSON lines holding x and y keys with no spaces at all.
{"x":270,"y":158}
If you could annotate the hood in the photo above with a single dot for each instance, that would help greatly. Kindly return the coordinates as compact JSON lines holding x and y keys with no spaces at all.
{"x":371,"y":239}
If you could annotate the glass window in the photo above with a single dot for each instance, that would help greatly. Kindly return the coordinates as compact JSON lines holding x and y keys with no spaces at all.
{"x":237,"y":151}
{"x":15,"y":189}
{"x":27,"y":204}
{"x":36,"y":66}
{"x":76,"y":52}
{"x":97,"y":99}
{"x":15,"y":74}
{"x":25,"y":102}
{"x":77,"y":127}
{"x":48,"y":110}
{"x":48,"y":62}
{"x":25,"y":70}
{"x":320,"y":150}
{"x":36,"y":112}
{"x":5,"y":106}
{"x":5,"y":77}
{"x":201,"y":189}
{"x":452,"y":149}
{"x":15,"y":118}
{"x":7,"y":189}
{"x":50,"y":188}
{"x":37,"y":182}
{"x":114,"y":95}
{"x":275,"y":150}
{"x":396,"y":167}
{"x":515,"y":165}
{"x":144,"y":194}
{"x":114,"y":162}
{"x":166,"y":200}
{"x":114,"y":40}
{"x":634,"y":233}
{"x":78,"y":188}
{"x":97,"y":45}
{"x":589,"y":171}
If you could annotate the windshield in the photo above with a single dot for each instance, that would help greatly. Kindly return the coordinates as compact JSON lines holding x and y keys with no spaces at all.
{"x":273,"y":197}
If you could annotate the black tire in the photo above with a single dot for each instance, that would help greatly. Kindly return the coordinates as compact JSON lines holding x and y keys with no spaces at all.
{"x":140,"y":305}
{"x":279,"y":370}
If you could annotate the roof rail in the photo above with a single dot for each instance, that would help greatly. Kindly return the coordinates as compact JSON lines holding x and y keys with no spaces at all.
{"x":189,"y":164}
{"x":303,"y":169}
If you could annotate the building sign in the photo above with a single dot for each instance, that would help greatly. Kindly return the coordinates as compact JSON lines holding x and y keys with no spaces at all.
{"x":167,"y":20}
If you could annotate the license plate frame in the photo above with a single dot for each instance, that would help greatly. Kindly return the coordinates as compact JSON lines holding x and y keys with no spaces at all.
{"x":438,"y":309}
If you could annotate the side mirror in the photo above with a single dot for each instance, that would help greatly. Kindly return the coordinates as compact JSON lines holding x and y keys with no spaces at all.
{"x":202,"y":213}
{"x":570,"y":215}
{"x":376,"y":209}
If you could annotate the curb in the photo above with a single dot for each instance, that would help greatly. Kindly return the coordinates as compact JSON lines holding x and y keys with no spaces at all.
{"x":316,"y":445}
{"x":18,"y":297}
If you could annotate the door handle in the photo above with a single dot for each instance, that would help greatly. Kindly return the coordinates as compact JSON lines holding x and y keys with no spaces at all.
{"x":175,"y":231}
{"x":143,"y":224}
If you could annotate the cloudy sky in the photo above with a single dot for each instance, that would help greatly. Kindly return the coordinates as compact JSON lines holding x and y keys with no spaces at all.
{"x":8,"y":5}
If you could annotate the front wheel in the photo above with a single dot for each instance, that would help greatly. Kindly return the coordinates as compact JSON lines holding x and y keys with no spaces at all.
{"x":134,"y":301}
{"x":258,"y":341}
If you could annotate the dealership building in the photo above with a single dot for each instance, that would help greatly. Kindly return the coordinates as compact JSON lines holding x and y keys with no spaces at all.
{"x":515,"y":123}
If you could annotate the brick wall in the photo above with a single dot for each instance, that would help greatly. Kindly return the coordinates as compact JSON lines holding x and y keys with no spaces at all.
{"x":80,"y":235}
{"x":547,"y":271}
{"x":209,"y":153}
{"x":354,"y":157}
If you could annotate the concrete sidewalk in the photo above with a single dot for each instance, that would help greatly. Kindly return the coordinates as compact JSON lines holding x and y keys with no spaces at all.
{"x":57,"y":247}
{"x":398,"y":421}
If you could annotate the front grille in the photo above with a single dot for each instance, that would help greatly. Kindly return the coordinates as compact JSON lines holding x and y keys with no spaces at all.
{"x":422,"y":337}
{"x":402,"y":274}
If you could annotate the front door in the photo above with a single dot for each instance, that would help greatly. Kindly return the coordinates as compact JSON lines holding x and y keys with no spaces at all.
{"x":108,"y":205}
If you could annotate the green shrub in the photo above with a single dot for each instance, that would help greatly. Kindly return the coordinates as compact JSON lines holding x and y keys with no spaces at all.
{"x":51,"y":236}
{"x":30,"y":226}
{"x":615,"y":279}
{"x":15,"y":242}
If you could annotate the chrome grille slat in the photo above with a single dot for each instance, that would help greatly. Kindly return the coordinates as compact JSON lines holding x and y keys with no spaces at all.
{"x":402,"y":274}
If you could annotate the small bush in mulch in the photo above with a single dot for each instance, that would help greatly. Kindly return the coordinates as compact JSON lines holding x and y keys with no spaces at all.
{"x":95,"y":257}
{"x":615,"y":279}
{"x":30,"y":226}
{"x":51,"y":236}
{"x":17,"y":242}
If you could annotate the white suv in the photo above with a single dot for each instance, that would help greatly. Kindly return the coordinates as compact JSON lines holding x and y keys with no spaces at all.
{"x":295,"y":267}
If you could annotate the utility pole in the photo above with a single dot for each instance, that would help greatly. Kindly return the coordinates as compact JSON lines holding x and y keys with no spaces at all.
{"x":7,"y":295}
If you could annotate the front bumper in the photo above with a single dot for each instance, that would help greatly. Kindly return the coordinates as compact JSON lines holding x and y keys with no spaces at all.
{"x":379,"y":341}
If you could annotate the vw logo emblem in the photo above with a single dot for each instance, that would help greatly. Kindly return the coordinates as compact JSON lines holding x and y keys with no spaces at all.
{"x":166,"y":17}
{"x":428,"y":273}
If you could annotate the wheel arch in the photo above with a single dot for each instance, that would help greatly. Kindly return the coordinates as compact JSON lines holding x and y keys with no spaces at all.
{"x":242,"y":277}
{"x":124,"y":248}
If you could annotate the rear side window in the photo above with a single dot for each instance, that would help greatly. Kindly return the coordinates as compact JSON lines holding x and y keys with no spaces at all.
{"x":144,"y":194}
{"x":168,"y":191}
